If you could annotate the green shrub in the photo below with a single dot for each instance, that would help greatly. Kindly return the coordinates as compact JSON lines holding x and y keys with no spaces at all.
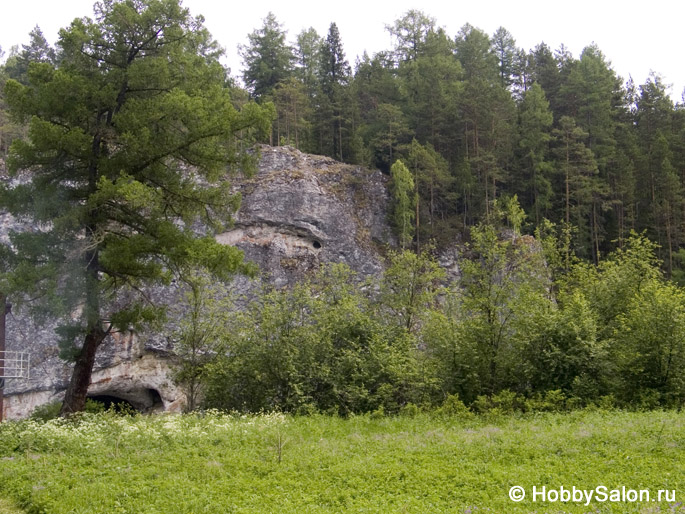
{"x":410,"y":410}
{"x":504,"y":402}
{"x":550,"y":401}
{"x":51,"y":410}
{"x":379,"y":413}
{"x":322,"y":347}
{"x":606,"y":402}
{"x":46,"y":412}
{"x":453,"y":407}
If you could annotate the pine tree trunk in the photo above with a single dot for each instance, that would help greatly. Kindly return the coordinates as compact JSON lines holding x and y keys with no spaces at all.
{"x":669,"y":240}
{"x":568,"y":189}
{"x":595,"y":234}
{"x":75,"y":397}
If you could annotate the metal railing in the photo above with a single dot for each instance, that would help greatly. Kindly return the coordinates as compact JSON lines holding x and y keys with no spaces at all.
{"x":15,"y":364}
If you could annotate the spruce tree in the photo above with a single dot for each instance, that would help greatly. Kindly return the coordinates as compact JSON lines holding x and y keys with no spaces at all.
{"x":267,"y":58}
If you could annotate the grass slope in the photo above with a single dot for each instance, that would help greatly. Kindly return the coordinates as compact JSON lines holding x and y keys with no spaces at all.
{"x":275,"y":463}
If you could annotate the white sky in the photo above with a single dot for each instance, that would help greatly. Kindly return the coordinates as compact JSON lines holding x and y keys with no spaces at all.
{"x":635,"y":36}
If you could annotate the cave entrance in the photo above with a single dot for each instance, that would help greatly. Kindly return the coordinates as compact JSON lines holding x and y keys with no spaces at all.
{"x":142,"y":400}
{"x":113,"y":402}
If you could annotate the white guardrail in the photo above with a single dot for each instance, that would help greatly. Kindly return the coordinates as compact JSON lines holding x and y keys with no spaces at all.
{"x":15,"y":364}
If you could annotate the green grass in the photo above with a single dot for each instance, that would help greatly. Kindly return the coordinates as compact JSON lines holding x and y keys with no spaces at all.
{"x":6,"y":507}
{"x":276,"y":463}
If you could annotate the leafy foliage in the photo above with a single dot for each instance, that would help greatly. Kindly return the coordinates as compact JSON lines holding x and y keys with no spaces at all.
{"x":403,"y":203}
{"x":317,"y":347}
{"x":202,"y":317}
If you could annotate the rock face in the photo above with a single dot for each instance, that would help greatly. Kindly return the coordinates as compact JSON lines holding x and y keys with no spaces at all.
{"x":298,"y":211}
{"x":301,"y":210}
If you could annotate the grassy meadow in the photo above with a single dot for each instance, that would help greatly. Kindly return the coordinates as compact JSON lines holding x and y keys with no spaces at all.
{"x":215,"y":463}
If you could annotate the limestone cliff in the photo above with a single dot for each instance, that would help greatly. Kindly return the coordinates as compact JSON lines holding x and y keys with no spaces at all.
{"x":297,"y":212}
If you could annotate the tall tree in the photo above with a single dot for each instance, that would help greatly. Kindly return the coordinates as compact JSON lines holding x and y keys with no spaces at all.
{"x":410,"y":32}
{"x":578,"y":168}
{"x":592,"y":96}
{"x":129,"y":137}
{"x":543,"y":69}
{"x":488,"y":114}
{"x":335,"y":76}
{"x":293,"y":111}
{"x":432,"y":183}
{"x":16,"y":67}
{"x":267,"y":58}
{"x":432,"y":84}
{"x":504,"y":46}
{"x":375,"y":85}
{"x":307,"y":58}
{"x":535,"y":124}
{"x":390,"y":130}
{"x":403,"y":202}
{"x":38,"y":50}
{"x":654,"y":112}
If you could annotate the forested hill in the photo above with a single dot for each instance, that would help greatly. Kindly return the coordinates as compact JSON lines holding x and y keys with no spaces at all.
{"x":475,"y":119}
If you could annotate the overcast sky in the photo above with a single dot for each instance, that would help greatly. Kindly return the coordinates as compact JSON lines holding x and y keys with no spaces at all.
{"x":637,"y":37}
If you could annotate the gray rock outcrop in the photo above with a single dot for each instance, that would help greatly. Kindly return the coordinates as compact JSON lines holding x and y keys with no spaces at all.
{"x":297,"y":212}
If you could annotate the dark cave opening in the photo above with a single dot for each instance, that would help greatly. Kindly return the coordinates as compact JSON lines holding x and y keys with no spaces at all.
{"x":113,"y":402}
{"x":141,"y":400}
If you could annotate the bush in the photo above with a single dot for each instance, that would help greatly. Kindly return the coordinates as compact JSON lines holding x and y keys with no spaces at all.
{"x":323,"y":346}
{"x":550,"y":401}
{"x":453,"y":407}
{"x":504,"y":402}
{"x":49,"y":411}
{"x":410,"y":410}
{"x":46,"y":412}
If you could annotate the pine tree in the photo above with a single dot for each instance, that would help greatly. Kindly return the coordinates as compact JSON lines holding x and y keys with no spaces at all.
{"x":578,"y":169}
{"x":129,"y":137}
{"x":267,"y":58}
{"x":488,"y":114}
{"x":374,"y":90}
{"x":432,"y":183}
{"x":410,"y":34}
{"x":535,"y":123}
{"x":654,"y":111}
{"x":38,"y":50}
{"x":544,"y":70}
{"x":334,"y":75}
{"x":432,"y":84}
{"x":293,"y":111}
{"x":504,"y":46}
{"x":307,"y":59}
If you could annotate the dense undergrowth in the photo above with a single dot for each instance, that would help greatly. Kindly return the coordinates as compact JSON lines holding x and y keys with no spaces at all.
{"x":425,"y":462}
{"x":524,"y":324}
